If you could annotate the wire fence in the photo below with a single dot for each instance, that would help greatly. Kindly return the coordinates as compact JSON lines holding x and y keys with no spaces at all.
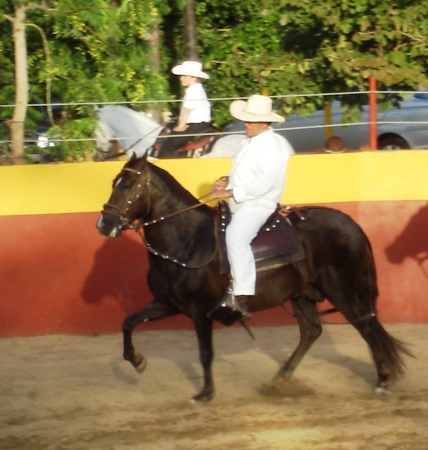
{"x":287,"y":127}
{"x":220,"y":99}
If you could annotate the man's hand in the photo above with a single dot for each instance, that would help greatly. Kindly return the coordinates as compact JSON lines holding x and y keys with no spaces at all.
{"x":220,"y":184}
{"x":220,"y":194}
{"x":180,"y":128}
{"x":182,"y":120}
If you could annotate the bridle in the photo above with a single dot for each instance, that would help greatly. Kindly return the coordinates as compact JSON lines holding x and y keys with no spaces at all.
{"x":137,"y":189}
{"x":125,"y":223}
{"x":133,"y":195}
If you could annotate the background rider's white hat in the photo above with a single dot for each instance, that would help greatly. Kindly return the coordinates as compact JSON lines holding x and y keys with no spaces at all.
{"x":191,"y":68}
{"x":258,"y":108}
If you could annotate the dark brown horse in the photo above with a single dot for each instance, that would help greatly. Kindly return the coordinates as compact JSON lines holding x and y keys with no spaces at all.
{"x":185,"y":276}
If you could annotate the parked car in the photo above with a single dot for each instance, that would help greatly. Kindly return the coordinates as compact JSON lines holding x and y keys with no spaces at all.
{"x":404,"y":126}
{"x":40,"y":144}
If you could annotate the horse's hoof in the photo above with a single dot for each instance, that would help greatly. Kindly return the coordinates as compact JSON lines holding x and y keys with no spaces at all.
{"x":141,"y":367}
{"x":381,"y":390}
{"x":203,"y":397}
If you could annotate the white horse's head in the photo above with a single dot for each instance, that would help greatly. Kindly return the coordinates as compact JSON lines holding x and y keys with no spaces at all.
{"x":135,"y":132}
{"x":104,"y":137}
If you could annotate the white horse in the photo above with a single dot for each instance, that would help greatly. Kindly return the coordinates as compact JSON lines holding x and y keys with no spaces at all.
{"x":136,"y":132}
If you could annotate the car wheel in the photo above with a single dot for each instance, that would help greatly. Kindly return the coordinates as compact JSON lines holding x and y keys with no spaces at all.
{"x":393,"y":143}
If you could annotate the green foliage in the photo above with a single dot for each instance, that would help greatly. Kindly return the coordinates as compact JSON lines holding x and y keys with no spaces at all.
{"x":100,"y":51}
{"x":70,"y":146}
{"x":244,"y":53}
{"x":303,"y":46}
{"x":96,"y":53}
{"x":103,"y":54}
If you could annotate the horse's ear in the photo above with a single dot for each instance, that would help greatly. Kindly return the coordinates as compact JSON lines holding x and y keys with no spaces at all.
{"x":97,"y":110}
{"x":133,"y":157}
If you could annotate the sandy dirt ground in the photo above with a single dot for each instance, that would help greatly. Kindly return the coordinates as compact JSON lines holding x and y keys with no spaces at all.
{"x":76,"y":392}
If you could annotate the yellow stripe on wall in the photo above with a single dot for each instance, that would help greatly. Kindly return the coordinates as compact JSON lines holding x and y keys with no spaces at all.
{"x":85,"y":187}
{"x":365,"y":176}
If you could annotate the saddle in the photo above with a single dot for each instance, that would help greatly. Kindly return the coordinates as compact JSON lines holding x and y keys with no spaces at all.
{"x":200,"y":143}
{"x":276,"y":244}
{"x":196,"y":146}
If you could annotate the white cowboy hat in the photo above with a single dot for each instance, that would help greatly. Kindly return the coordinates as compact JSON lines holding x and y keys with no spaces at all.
{"x":191,"y":68}
{"x":258,"y":108}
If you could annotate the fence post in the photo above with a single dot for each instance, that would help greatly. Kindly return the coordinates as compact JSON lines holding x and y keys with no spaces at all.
{"x":373,"y":114}
{"x":328,"y":132}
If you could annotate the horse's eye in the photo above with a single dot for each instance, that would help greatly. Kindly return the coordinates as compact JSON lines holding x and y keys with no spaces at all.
{"x":127,"y":184}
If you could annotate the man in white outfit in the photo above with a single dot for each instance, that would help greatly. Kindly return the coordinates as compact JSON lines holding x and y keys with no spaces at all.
{"x":254,"y":187}
{"x":195,"y":113}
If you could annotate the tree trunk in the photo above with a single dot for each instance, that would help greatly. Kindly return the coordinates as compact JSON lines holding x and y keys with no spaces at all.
{"x":153,"y":38}
{"x":17,"y":124}
{"x":190,"y":30}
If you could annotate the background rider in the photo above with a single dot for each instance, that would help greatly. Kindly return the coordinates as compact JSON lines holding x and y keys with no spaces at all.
{"x":195,"y":113}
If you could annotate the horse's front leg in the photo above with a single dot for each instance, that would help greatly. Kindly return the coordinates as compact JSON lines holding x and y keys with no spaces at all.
{"x":204,"y":332}
{"x":155,"y":310}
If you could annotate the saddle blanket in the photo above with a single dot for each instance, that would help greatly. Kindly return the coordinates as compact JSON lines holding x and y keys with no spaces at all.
{"x":276,"y":244}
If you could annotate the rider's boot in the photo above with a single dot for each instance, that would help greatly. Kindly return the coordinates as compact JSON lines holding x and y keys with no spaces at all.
{"x":231,"y":308}
{"x":242,"y":306}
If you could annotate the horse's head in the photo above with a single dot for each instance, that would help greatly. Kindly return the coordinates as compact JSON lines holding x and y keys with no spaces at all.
{"x":127,"y":200}
{"x":105,"y":141}
{"x":122,"y":130}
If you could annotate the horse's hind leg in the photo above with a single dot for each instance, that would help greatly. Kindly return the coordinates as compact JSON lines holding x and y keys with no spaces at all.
{"x":310,"y":329}
{"x":155,"y":310}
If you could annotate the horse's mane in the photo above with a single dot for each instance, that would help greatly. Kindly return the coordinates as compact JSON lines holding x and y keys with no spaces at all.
{"x":112,"y":112}
{"x":173,"y":185}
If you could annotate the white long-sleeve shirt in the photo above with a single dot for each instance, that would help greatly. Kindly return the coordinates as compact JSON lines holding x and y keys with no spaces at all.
{"x":258,"y":173}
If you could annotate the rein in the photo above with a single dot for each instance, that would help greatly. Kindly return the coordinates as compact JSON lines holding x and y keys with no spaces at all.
{"x":176,"y":213}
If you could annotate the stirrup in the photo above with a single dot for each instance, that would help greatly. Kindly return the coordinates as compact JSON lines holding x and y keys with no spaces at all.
{"x":229,"y":310}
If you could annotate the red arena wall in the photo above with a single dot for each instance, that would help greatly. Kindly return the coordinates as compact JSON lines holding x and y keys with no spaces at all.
{"x":59,"y":276}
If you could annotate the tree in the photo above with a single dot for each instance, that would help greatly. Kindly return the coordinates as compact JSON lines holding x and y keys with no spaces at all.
{"x":21,"y":77}
{"x":94,"y":52}
{"x":303,"y":46}
{"x":190,"y":30}
{"x":122,"y":51}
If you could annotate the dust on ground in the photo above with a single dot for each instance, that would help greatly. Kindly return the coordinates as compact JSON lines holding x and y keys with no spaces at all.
{"x":77,"y":393}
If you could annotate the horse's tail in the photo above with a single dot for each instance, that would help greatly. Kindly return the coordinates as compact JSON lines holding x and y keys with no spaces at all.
{"x":391,"y":349}
{"x":383,"y":343}
{"x":367,"y":284}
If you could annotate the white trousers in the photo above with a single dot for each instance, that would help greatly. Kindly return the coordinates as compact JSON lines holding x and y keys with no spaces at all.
{"x":243,"y":228}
